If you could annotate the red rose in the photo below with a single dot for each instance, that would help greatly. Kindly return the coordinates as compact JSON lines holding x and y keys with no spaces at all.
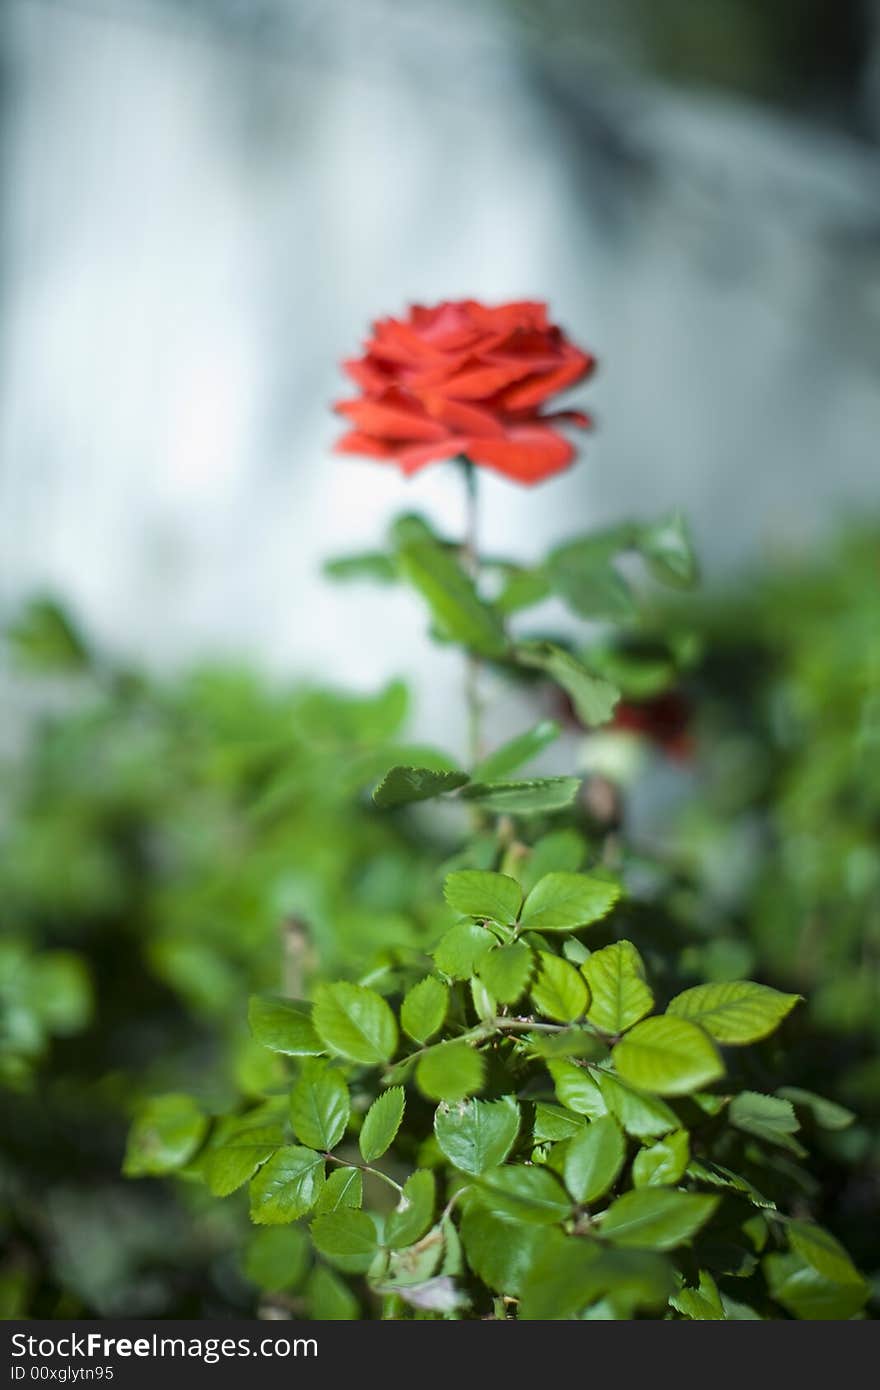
{"x":664,"y":720}
{"x":461,"y":378}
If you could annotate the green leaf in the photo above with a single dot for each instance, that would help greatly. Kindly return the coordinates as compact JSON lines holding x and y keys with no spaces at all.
{"x":343,"y":1188}
{"x":501,"y":1251}
{"x":827,"y":1114}
{"x":582,"y":573}
{"x":381,"y":1123}
{"x":559,"y":851}
{"x":668,"y":1057}
{"x":450,"y":1071}
{"x":559,"y":992}
{"x":277,"y":1258}
{"x":403,"y":784}
{"x":767,"y":1118}
{"x":553,"y":1123}
{"x":238,"y":1157}
{"x":506,"y":971}
{"x":535,"y":797}
{"x":371,"y":564}
{"x":576,"y":1089}
{"x":703,"y":1303}
{"x":594,"y":1159}
{"x":424,"y":1009}
{"x":478,"y":893}
{"x":346,"y":1238}
{"x":663,"y":1164}
{"x":571,"y":1275}
{"x":355,"y":1022}
{"x":716,"y":1175}
{"x":564,"y":902}
{"x":529,"y":1194}
{"x":284,"y":1025}
{"x":656,"y":1218}
{"x":329,"y":1299}
{"x":458,"y":612}
{"x":319,"y":1106}
{"x":415,"y":1264}
{"x":668,"y":551}
{"x":165,"y":1135}
{"x":643,"y":1116}
{"x":461,"y":950}
{"x":809,"y":1295}
{"x":287,"y":1186}
{"x":822,"y":1252}
{"x":620,"y":994}
{"x":593,"y":698}
{"x":414,"y":1211}
{"x":517,"y":751}
{"x":523,"y":589}
{"x":734,"y":1011}
{"x":476,"y":1135}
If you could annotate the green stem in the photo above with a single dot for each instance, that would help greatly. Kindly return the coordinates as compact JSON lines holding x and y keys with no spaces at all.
{"x":471,"y":560}
{"x":364,"y":1168}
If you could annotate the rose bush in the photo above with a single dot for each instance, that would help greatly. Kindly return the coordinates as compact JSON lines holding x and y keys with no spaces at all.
{"x":464,"y":378}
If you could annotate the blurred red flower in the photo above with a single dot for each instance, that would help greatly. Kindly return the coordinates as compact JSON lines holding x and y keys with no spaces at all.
{"x":463,"y":378}
{"x":664,"y":720}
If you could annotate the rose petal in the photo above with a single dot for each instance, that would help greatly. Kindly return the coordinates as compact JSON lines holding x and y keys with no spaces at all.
{"x":391,"y":416}
{"x":527,"y":453}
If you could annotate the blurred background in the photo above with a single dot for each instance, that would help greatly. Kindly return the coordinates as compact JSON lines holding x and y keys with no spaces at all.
{"x":204,"y":203}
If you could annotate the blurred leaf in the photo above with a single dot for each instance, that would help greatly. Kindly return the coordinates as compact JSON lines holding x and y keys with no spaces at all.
{"x":668,"y":551}
{"x":456,"y":608}
{"x":277,"y":1258}
{"x":347,"y":1238}
{"x":517,"y":751}
{"x":656,"y":1218}
{"x":412,"y":1216}
{"x":166,"y":1133}
{"x":284,"y":1025}
{"x":44,"y":638}
{"x":767,"y":1118}
{"x":450,"y":1071}
{"x":329,"y":1299}
{"x":532,"y":1195}
{"x":374,"y":565}
{"x":593,"y":697}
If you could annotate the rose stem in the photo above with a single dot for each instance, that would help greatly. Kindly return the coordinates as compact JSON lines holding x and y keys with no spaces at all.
{"x":471,"y":559}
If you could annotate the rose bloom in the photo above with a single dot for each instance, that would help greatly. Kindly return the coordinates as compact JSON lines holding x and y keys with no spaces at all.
{"x":664,"y":720}
{"x":463,"y":378}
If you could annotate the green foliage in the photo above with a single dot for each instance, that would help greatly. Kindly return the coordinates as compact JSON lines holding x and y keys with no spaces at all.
{"x":495,"y":1112}
{"x":590,"y":1208}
